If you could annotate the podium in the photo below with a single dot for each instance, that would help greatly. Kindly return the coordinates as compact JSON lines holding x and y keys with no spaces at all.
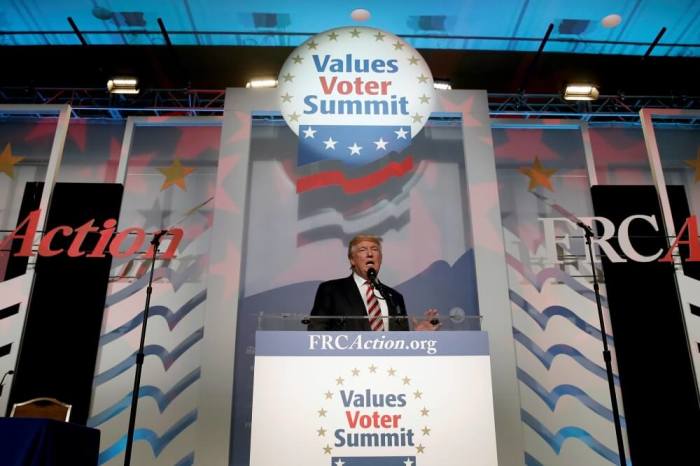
{"x":371,"y":398}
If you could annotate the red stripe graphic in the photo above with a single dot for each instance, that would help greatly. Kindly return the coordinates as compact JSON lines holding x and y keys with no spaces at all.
{"x":354,"y":185}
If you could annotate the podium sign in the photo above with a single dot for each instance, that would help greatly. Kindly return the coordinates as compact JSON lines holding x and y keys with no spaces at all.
{"x":372,"y":398}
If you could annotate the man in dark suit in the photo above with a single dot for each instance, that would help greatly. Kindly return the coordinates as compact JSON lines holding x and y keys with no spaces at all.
{"x":354,"y":303}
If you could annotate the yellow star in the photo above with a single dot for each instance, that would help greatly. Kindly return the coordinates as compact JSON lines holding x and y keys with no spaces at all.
{"x":695,"y":164}
{"x":339,"y":381}
{"x":539,"y":176}
{"x":398,"y":45}
{"x":424,"y":99}
{"x":379,"y":36}
{"x":312,"y":45}
{"x":413,"y":61}
{"x":392,"y":372}
{"x":329,"y":395}
{"x":420,"y":448}
{"x":333,"y":36}
{"x":8,"y":161}
{"x":286,"y":97}
{"x":297,"y":59}
{"x":355,"y":33}
{"x":175,"y":174}
{"x":417,"y":394}
{"x":293,"y":116}
{"x":373,"y":369}
{"x":426,"y":430}
{"x":422,"y":78}
{"x":356,"y":372}
{"x":288,"y":77}
{"x":327,"y":449}
{"x":321,"y":432}
{"x":406,"y":381}
{"x":322,"y":412}
{"x":417,"y":118}
{"x":424,"y":411}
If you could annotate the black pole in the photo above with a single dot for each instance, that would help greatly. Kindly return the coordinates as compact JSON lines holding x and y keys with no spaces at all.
{"x":606,"y":351}
{"x":139,"y":355}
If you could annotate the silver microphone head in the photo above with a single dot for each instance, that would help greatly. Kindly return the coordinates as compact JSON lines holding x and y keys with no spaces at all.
{"x":457,"y":315}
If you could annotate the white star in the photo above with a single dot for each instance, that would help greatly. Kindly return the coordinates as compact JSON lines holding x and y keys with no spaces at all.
{"x":381,"y":144}
{"x":401,"y":134}
{"x":339,"y":462}
{"x":355,"y":149}
{"x":408,"y":462}
{"x":330,"y":143}
{"x":309,"y":133}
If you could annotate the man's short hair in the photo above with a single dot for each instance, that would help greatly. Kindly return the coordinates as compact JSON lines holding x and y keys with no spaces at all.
{"x":359,"y":238}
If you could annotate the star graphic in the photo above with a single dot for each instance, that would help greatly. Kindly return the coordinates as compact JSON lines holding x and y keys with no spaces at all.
{"x":286,"y":97}
{"x":417,"y":118}
{"x":312,"y":44}
{"x":398,"y":45}
{"x":355,"y":149}
{"x":322,"y":412}
{"x":154,"y":216}
{"x":379,"y":36}
{"x":373,"y":369}
{"x":401,"y":133}
{"x":424,"y":412}
{"x":355,"y":33}
{"x":408,"y":462}
{"x":294,"y":116}
{"x":339,"y":381}
{"x":355,"y":372}
{"x":288,"y":77}
{"x":339,"y":462}
{"x":330,"y":143}
{"x":329,"y":395}
{"x":327,"y":449}
{"x":309,"y":133}
{"x":413,"y":60}
{"x":298,"y":59}
{"x":406,"y":381}
{"x":333,"y":36}
{"x":417,"y":394}
{"x":175,"y":175}
{"x":381,"y":144}
{"x":422,"y":78}
{"x":8,"y":161}
{"x":391,"y":372}
{"x":426,"y":430}
{"x":539,"y":176}
{"x":321,"y":432}
{"x":420,"y":448}
{"x":694,"y":164}
{"x":424,"y":99}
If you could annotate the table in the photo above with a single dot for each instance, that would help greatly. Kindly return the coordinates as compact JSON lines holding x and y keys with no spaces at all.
{"x":44,"y":442}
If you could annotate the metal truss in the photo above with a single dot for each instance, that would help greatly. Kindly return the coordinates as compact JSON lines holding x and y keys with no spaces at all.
{"x":97,"y":103}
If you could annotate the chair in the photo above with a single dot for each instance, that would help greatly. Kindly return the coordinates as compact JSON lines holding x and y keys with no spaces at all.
{"x":46,"y":408}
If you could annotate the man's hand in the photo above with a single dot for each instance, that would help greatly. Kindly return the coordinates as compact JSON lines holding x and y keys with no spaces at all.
{"x":431,"y":315}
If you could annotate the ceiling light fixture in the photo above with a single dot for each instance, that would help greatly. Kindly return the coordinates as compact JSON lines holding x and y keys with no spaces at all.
{"x":123,"y":85}
{"x":581,"y":92}
{"x":261,"y":83}
{"x":611,"y":21}
{"x":360,"y":14}
{"x":442,"y":85}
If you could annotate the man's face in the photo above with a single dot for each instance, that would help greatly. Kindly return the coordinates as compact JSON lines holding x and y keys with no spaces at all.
{"x":366,"y":255}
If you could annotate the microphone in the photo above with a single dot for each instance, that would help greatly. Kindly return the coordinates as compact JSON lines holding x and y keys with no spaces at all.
{"x":2,"y":382}
{"x":372,"y":276}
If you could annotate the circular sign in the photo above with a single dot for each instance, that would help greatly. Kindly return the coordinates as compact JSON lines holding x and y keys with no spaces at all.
{"x":357,"y":77}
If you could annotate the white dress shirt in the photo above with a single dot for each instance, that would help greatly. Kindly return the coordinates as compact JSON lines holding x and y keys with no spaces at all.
{"x":360,"y":282}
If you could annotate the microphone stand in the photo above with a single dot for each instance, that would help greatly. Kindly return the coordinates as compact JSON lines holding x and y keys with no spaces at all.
{"x":139,"y":355}
{"x":606,"y":352}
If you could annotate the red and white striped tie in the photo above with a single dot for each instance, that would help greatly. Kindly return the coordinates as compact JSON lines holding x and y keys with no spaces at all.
{"x":373,"y":311}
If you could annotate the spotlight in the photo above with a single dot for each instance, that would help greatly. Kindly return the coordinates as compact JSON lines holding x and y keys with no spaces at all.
{"x":580,"y":92}
{"x":442,"y":85}
{"x":259,"y":83}
{"x":123,"y":85}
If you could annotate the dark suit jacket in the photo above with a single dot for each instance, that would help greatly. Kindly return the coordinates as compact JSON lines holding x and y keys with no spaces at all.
{"x":341,"y":298}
